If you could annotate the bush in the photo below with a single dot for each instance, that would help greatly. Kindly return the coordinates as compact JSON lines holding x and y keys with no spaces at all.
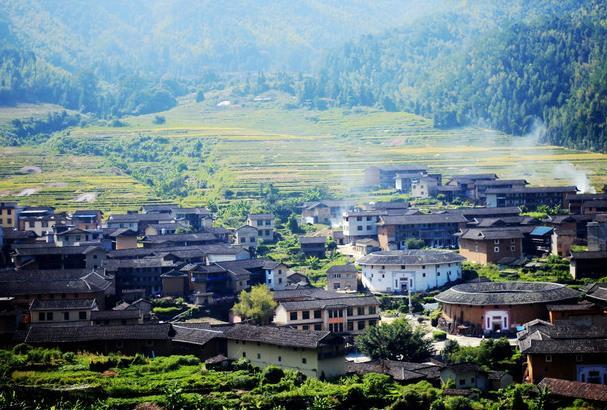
{"x":159,"y":119}
{"x":439,"y":335}
{"x":272,"y":375}
{"x":170,"y":310}
{"x":22,"y":348}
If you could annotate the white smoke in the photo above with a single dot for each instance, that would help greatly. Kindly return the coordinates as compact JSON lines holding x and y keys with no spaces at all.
{"x":578,"y":177}
{"x":534,"y":137}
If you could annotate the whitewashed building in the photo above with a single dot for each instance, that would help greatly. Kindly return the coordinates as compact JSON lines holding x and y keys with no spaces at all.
{"x":417,"y":270}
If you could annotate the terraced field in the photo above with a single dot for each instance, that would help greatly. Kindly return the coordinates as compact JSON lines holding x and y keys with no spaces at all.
{"x":34,"y":176}
{"x":296,"y":149}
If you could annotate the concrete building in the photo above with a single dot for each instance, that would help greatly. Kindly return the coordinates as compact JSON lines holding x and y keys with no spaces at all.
{"x":264,"y":224}
{"x":414,"y":270}
{"x":9,"y":214}
{"x":491,"y":246}
{"x":436,"y":230}
{"x":314,"y":353}
{"x":246,"y":236}
{"x":360,"y":224}
{"x":385,"y":176}
{"x":318,"y":309}
{"x":342,"y":278}
{"x":62,"y":310}
{"x":566,"y":350}
{"x":530,"y":197}
{"x":276,"y":275}
{"x":326,"y":212}
{"x":488,"y":307}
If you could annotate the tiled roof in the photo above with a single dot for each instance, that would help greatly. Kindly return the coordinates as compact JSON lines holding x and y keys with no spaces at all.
{"x":55,"y":250}
{"x":410,"y":257}
{"x":485,"y":234}
{"x":597,"y":291}
{"x":115,"y":314}
{"x":399,"y":371}
{"x":74,"y":334}
{"x":261,"y":216}
{"x":564,"y":337}
{"x":62,"y":304}
{"x":473,"y":212}
{"x":534,"y":190}
{"x":506,"y":293}
{"x":347,"y":268}
{"x":136,"y":218}
{"x":195,"y":335}
{"x":436,"y":218}
{"x":589,"y":255}
{"x":581,"y":306}
{"x":498,"y":182}
{"x":312,"y":239}
{"x":191,"y":237}
{"x":311,"y":304}
{"x":279,"y":336}
{"x":14,"y":283}
{"x":123,"y":232}
{"x":575,"y":389}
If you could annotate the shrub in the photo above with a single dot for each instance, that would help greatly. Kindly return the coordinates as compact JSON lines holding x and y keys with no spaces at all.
{"x":272,"y":375}
{"x":171,"y":310}
{"x":69,"y":357}
{"x":22,"y":348}
{"x":159,"y":119}
{"x":439,"y":335}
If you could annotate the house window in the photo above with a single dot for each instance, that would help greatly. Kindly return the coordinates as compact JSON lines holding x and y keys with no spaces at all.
{"x":244,"y":354}
{"x":496,"y":249}
{"x":548,"y":358}
{"x":360,"y":311}
{"x":512,"y":248}
{"x":317,"y":314}
{"x":423,"y":275}
{"x":496,"y":241}
{"x":472,"y":380}
{"x":359,"y":218}
{"x":66,"y":315}
{"x":41,"y":316}
{"x":336,"y":286}
{"x":279,"y":280}
{"x":280,"y":358}
{"x":349,"y":311}
{"x":304,"y":360}
{"x":293,"y":315}
{"x":259,"y":355}
{"x":305,"y":314}
{"x":82,"y":315}
{"x":317,"y":326}
{"x":49,"y":316}
{"x":305,"y":327}
{"x":361,"y":324}
{"x":359,"y":228}
{"x":372,"y":310}
{"x":350,"y":326}
{"x":462,"y":382}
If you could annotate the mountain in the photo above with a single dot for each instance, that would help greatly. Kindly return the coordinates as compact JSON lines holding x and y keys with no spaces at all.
{"x":186,"y":37}
{"x":506,"y":66}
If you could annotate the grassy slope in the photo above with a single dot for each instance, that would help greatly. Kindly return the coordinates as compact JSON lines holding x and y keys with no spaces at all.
{"x":295,"y":149}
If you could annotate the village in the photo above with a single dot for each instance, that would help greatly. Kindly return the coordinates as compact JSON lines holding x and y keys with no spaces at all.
{"x":165,"y":279}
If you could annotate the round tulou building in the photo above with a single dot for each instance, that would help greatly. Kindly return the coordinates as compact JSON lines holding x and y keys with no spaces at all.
{"x":498,"y":307}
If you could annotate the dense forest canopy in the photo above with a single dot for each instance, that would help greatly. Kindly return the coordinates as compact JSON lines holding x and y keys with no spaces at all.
{"x":505,"y":65}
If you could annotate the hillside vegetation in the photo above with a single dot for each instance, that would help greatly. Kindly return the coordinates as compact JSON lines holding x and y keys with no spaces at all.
{"x":507,"y":68}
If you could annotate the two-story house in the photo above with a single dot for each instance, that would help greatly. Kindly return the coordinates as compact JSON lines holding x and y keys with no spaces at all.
{"x":264,"y":224}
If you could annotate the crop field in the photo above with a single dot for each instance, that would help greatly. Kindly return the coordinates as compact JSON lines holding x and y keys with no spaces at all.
{"x":33,"y":176}
{"x":296,"y":149}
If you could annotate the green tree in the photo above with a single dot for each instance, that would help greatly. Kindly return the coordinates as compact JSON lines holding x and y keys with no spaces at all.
{"x":292,"y":224}
{"x":256,"y":306}
{"x":395,"y":341}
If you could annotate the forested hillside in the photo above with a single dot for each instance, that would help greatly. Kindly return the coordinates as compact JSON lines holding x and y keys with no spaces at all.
{"x":544,"y":61}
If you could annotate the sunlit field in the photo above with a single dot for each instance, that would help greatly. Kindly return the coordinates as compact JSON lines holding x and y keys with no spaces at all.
{"x":294,"y":149}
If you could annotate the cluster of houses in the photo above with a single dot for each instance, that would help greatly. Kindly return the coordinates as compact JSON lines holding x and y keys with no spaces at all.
{"x":84,"y":281}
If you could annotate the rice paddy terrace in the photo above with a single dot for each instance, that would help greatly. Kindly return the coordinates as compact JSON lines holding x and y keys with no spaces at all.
{"x":294,"y":149}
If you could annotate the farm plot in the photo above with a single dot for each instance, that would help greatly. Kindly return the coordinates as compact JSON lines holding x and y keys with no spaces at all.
{"x":66,"y":182}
